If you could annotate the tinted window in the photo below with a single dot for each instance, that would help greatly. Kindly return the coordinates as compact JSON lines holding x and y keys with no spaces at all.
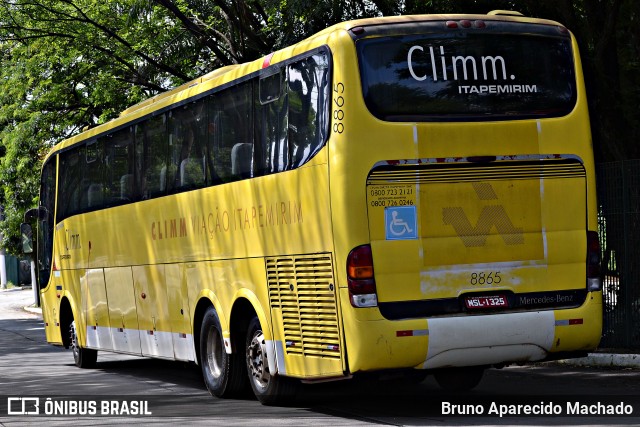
{"x":231,"y":113}
{"x":187,"y":146}
{"x":93,"y":172}
{"x":45,"y":225}
{"x":71,"y":198}
{"x":152,"y":146}
{"x":467,"y":74}
{"x":270,"y":87}
{"x":308,"y":107}
{"x":119,"y":167}
{"x":272,"y":124}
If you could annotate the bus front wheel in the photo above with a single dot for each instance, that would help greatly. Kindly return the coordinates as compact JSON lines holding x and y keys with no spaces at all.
{"x":269,"y":389}
{"x":222,"y":372}
{"x":83,"y":357}
{"x":459,"y":379}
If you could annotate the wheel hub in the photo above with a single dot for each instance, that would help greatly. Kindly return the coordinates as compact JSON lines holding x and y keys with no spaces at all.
{"x":74,"y":341}
{"x":214,"y":353}
{"x":257,"y":361}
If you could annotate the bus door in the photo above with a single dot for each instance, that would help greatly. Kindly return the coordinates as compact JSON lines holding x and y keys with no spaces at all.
{"x":122,"y":310}
{"x":178,"y":304}
{"x":153,"y":312}
{"x":96,"y":309}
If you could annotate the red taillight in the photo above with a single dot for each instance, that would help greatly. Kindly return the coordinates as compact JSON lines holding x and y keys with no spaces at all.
{"x":593,"y":262}
{"x":360,"y":279}
{"x":593,"y":254}
{"x":452,"y":24}
{"x":360,"y":263}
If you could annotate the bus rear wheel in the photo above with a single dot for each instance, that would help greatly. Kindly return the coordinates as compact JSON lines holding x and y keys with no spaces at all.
{"x":269,"y":389}
{"x":223,"y":373}
{"x":83,"y":357}
{"x":459,"y":379}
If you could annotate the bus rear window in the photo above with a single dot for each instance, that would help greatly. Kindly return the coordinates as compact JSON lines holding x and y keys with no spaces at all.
{"x":467,"y":75}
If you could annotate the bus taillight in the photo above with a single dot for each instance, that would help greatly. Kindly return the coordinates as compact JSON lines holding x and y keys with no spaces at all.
{"x":360,"y":278}
{"x":593,"y":262}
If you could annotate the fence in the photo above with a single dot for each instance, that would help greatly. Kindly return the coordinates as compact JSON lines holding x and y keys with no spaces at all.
{"x":619,"y":229}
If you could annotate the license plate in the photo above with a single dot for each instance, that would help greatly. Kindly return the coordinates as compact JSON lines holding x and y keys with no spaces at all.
{"x":494,"y":301}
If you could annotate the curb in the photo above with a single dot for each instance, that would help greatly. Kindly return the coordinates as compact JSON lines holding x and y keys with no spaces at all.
{"x":606,"y":360}
{"x":19,"y":288}
{"x":34,"y":310}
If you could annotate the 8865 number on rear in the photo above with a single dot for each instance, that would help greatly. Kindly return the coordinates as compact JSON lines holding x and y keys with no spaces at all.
{"x":485,"y":278}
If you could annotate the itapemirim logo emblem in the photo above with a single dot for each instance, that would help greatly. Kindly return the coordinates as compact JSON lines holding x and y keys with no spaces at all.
{"x":493,"y":215}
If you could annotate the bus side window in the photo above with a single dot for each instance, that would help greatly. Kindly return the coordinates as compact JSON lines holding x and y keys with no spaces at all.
{"x":231,"y":112}
{"x":94,"y":167}
{"x":213,"y":129}
{"x":120,"y":167}
{"x":187,"y":146}
{"x":152,"y":146}
{"x":308,"y":96}
{"x":271,"y":124}
{"x":71,"y":176}
{"x":45,"y":226}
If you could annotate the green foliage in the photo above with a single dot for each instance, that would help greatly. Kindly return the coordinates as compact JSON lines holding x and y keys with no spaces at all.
{"x":68,"y":64}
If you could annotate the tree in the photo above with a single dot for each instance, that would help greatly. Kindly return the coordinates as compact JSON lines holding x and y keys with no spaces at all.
{"x":63,"y":71}
{"x":68,"y":64}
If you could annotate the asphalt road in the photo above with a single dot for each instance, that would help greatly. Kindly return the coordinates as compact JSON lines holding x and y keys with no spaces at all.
{"x":174,"y":392}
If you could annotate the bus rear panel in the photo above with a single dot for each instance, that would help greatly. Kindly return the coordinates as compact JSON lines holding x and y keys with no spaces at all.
{"x":480,"y":199}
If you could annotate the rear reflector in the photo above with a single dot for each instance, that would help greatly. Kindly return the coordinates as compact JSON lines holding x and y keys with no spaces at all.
{"x":569,"y":322}
{"x":413,"y":333}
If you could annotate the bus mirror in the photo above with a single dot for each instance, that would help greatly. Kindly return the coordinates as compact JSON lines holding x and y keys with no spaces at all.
{"x":27,"y":238}
{"x":39,"y":213}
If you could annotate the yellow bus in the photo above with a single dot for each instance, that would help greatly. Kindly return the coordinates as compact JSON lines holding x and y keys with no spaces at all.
{"x":411,"y":195}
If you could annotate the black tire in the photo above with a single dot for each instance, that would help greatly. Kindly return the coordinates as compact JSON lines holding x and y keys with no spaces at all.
{"x":224,"y":374}
{"x":84,"y":358}
{"x":459,"y":379}
{"x":268,"y":387}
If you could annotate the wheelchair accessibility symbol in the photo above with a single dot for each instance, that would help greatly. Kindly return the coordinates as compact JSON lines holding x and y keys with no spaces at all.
{"x":400,"y":223}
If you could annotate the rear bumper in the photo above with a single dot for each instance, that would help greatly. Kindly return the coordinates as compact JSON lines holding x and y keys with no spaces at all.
{"x":375,"y":343}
